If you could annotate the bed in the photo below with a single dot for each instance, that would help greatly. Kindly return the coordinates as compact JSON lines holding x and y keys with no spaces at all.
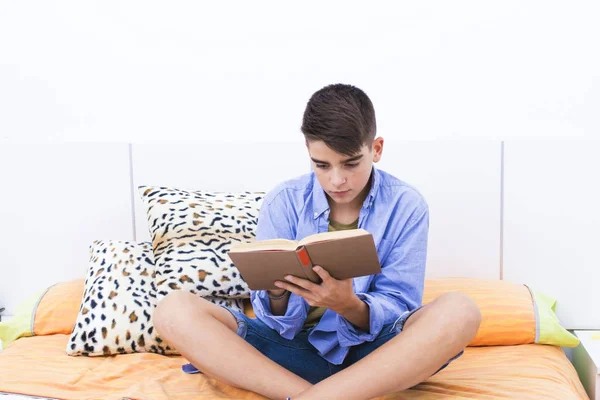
{"x":513,"y":372}
{"x":512,"y":356}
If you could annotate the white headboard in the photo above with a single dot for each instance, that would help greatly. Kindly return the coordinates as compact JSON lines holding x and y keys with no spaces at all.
{"x":497,"y":211}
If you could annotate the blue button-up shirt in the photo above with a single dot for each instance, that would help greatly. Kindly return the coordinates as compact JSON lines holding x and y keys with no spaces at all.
{"x":395,"y":214}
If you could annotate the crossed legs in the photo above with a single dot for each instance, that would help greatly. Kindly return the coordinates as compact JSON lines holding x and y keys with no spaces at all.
{"x":206,"y":336}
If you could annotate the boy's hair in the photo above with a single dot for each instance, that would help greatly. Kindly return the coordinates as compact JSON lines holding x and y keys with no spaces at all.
{"x":342,"y":116}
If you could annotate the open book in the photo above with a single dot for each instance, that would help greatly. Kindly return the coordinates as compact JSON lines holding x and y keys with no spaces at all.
{"x":344,"y":254}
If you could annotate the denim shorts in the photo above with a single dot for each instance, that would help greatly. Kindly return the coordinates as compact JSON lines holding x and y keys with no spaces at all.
{"x":299,"y":356}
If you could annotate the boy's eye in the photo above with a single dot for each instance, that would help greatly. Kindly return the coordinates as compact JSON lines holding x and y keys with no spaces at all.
{"x":352,"y":165}
{"x":322,"y":166}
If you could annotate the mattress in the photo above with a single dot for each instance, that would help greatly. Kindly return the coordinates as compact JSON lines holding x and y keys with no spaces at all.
{"x":38,"y":366}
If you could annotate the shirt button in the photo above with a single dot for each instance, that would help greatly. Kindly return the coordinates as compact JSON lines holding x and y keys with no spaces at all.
{"x":316,"y":215}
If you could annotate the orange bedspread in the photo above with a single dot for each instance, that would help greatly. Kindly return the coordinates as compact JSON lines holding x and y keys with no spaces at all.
{"x":39,"y":366}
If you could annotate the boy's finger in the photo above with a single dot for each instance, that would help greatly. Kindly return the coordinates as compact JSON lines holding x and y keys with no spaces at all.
{"x":322,"y":272}
{"x":292,"y":288}
{"x":303,"y":283}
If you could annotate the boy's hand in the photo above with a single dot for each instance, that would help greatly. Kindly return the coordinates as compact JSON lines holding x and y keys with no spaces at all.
{"x":336,"y":295}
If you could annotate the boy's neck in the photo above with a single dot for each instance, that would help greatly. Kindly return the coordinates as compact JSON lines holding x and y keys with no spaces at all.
{"x":348,"y":212}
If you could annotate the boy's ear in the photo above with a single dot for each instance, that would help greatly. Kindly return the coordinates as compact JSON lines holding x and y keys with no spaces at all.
{"x":377,"y":148}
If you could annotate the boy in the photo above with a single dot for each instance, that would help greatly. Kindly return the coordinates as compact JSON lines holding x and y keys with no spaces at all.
{"x":347,"y":339}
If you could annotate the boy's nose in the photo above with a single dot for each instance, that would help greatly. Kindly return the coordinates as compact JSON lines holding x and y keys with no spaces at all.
{"x":337,"y":179}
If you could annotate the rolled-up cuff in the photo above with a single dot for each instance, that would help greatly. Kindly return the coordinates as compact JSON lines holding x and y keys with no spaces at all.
{"x":349,"y":335}
{"x":287,"y":325}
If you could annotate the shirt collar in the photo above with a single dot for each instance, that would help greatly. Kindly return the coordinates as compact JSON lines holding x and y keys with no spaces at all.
{"x":320,"y":204}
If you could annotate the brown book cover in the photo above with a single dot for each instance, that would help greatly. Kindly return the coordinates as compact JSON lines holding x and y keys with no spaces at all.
{"x":344,"y":254}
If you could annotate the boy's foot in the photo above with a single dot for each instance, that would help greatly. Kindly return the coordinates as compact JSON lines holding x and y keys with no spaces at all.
{"x":190,"y":369}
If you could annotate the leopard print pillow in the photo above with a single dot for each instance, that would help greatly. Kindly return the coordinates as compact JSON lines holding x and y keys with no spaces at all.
{"x":119,"y":298}
{"x":192,"y":233}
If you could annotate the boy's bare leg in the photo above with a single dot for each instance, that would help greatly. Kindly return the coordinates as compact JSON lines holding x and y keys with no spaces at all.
{"x":431,"y":337}
{"x":205,"y":334}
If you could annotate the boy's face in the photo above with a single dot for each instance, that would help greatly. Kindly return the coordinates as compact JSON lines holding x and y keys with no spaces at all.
{"x":344,"y":178}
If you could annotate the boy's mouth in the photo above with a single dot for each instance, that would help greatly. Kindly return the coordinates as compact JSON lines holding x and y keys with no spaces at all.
{"x":340,"y":193}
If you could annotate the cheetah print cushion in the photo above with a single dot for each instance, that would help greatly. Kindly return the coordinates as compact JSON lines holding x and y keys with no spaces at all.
{"x":119,"y":298}
{"x":192,"y":233}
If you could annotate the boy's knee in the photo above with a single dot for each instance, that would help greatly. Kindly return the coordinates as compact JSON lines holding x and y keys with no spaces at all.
{"x":172,"y":311}
{"x":464,"y":309}
{"x":470,"y":314}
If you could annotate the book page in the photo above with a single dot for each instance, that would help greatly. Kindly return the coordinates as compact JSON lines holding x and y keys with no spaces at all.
{"x":265,"y":245}
{"x":326,"y":236}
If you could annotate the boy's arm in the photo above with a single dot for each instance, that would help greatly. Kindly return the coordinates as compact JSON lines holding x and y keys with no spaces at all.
{"x":276,"y":221}
{"x":358,"y":314}
{"x":399,"y":286}
{"x":278,"y":301}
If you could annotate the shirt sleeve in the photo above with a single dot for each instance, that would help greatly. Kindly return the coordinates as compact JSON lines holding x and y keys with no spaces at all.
{"x":399,"y":286}
{"x":276,"y":221}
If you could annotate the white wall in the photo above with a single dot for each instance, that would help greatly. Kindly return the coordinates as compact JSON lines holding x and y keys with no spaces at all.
{"x":146,"y":71}
{"x":241,"y":72}
{"x":552,"y":223}
{"x":461,"y":182}
{"x":54,"y":201}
